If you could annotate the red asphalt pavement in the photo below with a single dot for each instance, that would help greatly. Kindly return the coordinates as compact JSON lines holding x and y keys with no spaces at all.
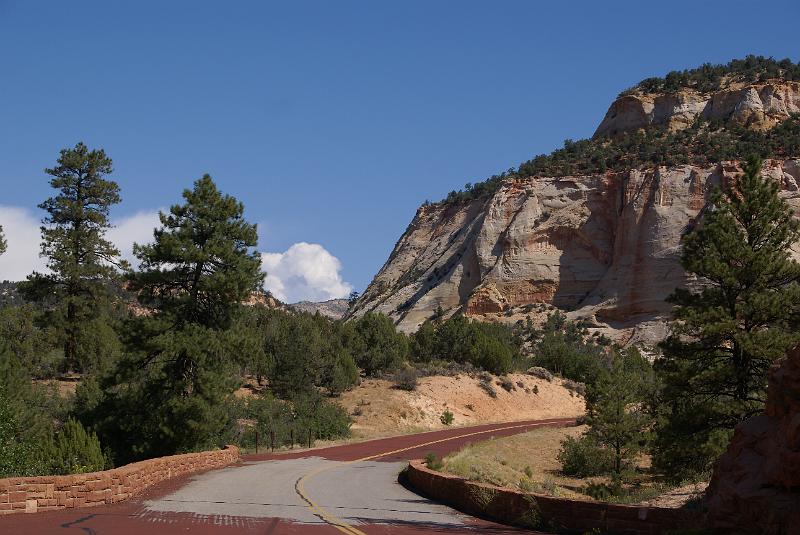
{"x":132,"y":517}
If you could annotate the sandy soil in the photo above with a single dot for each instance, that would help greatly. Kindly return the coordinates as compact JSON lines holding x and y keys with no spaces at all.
{"x":379,"y":409}
{"x":679,"y":496}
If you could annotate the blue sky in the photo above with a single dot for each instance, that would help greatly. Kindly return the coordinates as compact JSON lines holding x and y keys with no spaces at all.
{"x":331,"y":121}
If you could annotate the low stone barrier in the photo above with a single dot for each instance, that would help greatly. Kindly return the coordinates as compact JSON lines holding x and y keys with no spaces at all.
{"x":513,"y":507}
{"x":44,"y":493}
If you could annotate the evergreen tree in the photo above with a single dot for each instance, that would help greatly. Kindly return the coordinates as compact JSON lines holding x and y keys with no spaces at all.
{"x":195,"y":276}
{"x":732,"y":325}
{"x":614,"y":413}
{"x":3,"y":242}
{"x":378,"y":346}
{"x":80,"y":259}
{"x":619,"y":424}
{"x":76,"y":451}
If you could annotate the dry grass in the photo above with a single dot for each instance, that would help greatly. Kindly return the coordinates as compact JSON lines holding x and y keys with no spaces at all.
{"x":527,"y":462}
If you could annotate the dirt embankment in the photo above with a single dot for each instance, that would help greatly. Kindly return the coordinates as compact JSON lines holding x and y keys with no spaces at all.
{"x":378,"y":408}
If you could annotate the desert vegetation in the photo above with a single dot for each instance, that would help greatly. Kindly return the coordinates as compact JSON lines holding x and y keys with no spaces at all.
{"x":663,"y":421}
{"x":157,"y":351}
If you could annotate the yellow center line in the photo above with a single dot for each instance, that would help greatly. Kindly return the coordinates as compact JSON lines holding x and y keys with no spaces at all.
{"x":343,"y":526}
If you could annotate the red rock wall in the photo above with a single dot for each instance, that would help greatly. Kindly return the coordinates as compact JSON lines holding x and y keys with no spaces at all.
{"x":44,"y":493}
{"x":560,"y":514}
{"x":755,"y":487}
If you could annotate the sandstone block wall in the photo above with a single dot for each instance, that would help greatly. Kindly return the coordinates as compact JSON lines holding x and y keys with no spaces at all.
{"x":43,"y":493}
{"x":532,"y":510}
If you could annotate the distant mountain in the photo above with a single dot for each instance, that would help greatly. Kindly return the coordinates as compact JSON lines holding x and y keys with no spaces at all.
{"x":333,"y":308}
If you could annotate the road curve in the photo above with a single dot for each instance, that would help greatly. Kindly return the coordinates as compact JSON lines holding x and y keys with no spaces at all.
{"x":348,"y":489}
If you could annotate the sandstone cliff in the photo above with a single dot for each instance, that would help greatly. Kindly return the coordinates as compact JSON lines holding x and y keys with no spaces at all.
{"x":334,"y":309}
{"x":755,"y":484}
{"x":759,"y":106}
{"x":604,"y":247}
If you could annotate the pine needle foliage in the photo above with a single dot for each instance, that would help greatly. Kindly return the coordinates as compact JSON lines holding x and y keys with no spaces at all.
{"x":81,"y":260}
{"x":732,"y":325}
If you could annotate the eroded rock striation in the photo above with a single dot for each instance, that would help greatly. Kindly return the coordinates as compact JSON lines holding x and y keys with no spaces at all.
{"x":603,"y":247}
{"x":756,"y":483}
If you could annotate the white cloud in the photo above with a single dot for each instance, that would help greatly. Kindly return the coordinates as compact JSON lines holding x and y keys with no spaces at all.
{"x":136,"y":228}
{"x":306,"y":271}
{"x":21,"y":229}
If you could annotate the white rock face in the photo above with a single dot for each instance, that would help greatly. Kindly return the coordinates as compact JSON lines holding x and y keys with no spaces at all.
{"x":602,"y":247}
{"x":759,"y":106}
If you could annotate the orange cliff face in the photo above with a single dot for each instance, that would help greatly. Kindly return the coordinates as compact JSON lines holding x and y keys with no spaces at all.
{"x":602,"y":247}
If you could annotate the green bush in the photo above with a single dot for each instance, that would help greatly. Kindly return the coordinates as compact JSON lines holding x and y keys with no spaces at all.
{"x":76,"y":451}
{"x":379,"y":347}
{"x":433,"y":462}
{"x":492,"y":347}
{"x":447,"y":417}
{"x":288,"y":421}
{"x":583,"y":457}
{"x":19,"y":456}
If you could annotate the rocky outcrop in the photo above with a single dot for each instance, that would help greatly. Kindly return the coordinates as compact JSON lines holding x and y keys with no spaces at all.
{"x":334,"y":309}
{"x":758,"y":106}
{"x":756,"y":483}
{"x":603,"y":247}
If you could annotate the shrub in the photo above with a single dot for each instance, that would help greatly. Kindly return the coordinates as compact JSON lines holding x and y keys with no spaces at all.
{"x":506,"y":384}
{"x":603,"y":491}
{"x":288,"y":421}
{"x":487,"y":387}
{"x":433,"y":462}
{"x":583,"y":457}
{"x":19,"y":456}
{"x":541,"y":373}
{"x":406,"y":379}
{"x":528,"y":471}
{"x":447,"y":417}
{"x":379,"y":346}
{"x":75,"y":451}
{"x":574,"y":386}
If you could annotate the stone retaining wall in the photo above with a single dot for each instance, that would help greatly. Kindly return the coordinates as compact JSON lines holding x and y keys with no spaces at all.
{"x":546,"y":512}
{"x":44,"y":493}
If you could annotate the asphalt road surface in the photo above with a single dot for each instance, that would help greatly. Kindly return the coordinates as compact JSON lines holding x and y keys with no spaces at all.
{"x":349,"y":489}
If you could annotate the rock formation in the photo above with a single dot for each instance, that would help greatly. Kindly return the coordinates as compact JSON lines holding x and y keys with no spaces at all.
{"x":758,"y":106}
{"x":334,"y":309}
{"x":756,"y":483}
{"x":604,"y":247}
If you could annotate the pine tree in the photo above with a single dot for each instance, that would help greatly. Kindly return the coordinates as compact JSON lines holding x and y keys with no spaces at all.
{"x":614,"y":411}
{"x":730,"y":327}
{"x":3,"y":242}
{"x":81,"y":261}
{"x":76,"y":451}
{"x":195,"y":275}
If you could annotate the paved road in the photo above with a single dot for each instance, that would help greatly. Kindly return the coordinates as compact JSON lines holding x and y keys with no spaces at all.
{"x":349,"y":489}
